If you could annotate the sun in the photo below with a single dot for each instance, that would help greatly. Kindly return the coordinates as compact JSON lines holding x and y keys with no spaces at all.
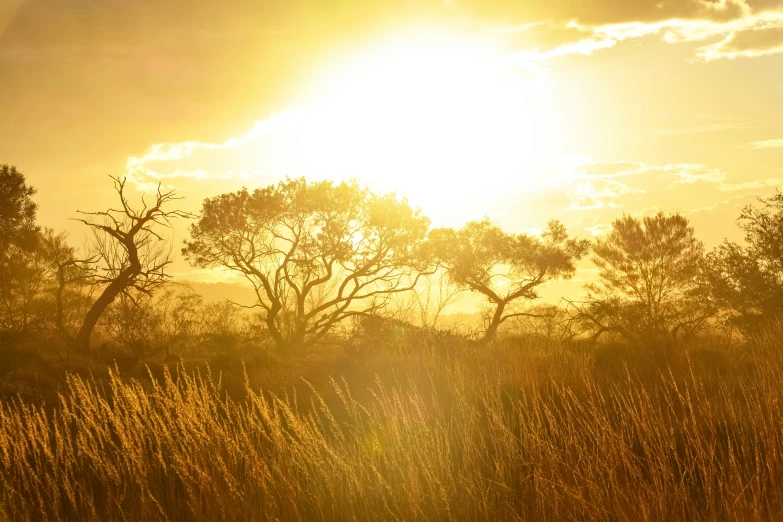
{"x":444,"y":119}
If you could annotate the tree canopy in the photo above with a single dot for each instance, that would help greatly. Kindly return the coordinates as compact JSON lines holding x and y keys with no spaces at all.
{"x":649,"y":285}
{"x":20,"y":266}
{"x":748,"y":279}
{"x":315,"y":253}
{"x":17,"y":210}
{"x":505,"y":268}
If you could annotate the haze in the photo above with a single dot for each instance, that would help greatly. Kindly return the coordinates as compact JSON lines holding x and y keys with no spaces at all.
{"x":583,"y":110}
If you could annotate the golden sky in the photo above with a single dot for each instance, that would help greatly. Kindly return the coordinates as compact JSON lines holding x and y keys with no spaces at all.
{"x":520,"y":110}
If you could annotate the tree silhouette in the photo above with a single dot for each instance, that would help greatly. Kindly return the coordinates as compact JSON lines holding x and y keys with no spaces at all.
{"x":20,"y":264}
{"x":505,"y":268}
{"x":128,"y":255}
{"x":650,"y":285}
{"x":748,"y":279}
{"x":426,"y":303}
{"x":314,"y":253}
{"x":26,"y":294}
{"x":17,"y":211}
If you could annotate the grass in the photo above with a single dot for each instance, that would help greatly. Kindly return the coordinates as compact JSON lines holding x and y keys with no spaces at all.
{"x":414,"y":431}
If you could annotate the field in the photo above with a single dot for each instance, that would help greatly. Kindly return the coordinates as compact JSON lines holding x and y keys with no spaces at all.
{"x":405,"y":425}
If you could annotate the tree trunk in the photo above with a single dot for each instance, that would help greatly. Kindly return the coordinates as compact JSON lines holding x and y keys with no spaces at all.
{"x":271,"y":323}
{"x":59,"y":313}
{"x":492,"y":330}
{"x":107,"y":297}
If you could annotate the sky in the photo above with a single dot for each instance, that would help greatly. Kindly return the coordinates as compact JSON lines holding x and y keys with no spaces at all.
{"x":522,"y":111}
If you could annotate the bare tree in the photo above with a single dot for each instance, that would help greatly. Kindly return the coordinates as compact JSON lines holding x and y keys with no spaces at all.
{"x":545,"y":321}
{"x":435,"y":293}
{"x":128,"y":256}
{"x":425,"y":303}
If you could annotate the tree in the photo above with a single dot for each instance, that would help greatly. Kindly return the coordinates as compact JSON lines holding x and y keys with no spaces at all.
{"x":127,"y":255}
{"x":26,"y":295}
{"x":17,"y":211}
{"x":20,"y":266}
{"x":314,"y":253}
{"x":650,"y":286}
{"x":505,"y":268}
{"x":136,"y":324}
{"x":424,"y":305}
{"x":747,"y":280}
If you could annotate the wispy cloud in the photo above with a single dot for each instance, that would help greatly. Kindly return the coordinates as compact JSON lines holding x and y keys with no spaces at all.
{"x":749,"y":35}
{"x":767,"y":144}
{"x":163,"y":162}
{"x":688,"y":173}
{"x":613,"y":187}
{"x":762,"y":183}
{"x":758,"y":39}
{"x":600,"y":229}
{"x":709,"y":128}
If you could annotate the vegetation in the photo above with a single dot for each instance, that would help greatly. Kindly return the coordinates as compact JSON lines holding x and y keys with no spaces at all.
{"x":18,"y":237}
{"x":124,"y":396}
{"x":314,"y":253}
{"x":503,"y":267}
{"x":422,"y":430}
{"x":649,"y":287}
{"x":747,"y":280}
{"x":127,"y":256}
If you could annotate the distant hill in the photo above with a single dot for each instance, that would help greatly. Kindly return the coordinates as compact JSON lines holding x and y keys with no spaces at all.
{"x":222,"y":291}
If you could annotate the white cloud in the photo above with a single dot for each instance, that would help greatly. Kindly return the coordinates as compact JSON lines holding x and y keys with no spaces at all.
{"x":767,"y":144}
{"x":762,"y":183}
{"x":599,"y":229}
{"x":163,"y":162}
{"x":747,"y":36}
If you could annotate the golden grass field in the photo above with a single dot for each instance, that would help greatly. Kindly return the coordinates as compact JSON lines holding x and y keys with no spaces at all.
{"x":414,"y":430}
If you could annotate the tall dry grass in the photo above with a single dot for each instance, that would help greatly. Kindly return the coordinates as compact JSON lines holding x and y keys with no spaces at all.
{"x":513,"y":432}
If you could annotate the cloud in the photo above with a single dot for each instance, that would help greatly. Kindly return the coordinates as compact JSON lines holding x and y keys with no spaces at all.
{"x":603,"y":12}
{"x":599,"y":229}
{"x":121,"y":31}
{"x":591,"y":185}
{"x":709,"y":128}
{"x":724,"y":211}
{"x":586,"y":193}
{"x":614,"y":187}
{"x":762,"y":183}
{"x":738,"y":32}
{"x":767,"y":144}
{"x":688,"y":174}
{"x":193,"y":160}
{"x":763,"y":37}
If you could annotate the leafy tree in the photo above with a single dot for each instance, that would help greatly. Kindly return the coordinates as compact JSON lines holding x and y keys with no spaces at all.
{"x":315,"y":253}
{"x":747,"y":279}
{"x":28,"y":257}
{"x":17,"y":211}
{"x":26,"y":296}
{"x":505,"y":268}
{"x":20,"y":265}
{"x":650,"y":286}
